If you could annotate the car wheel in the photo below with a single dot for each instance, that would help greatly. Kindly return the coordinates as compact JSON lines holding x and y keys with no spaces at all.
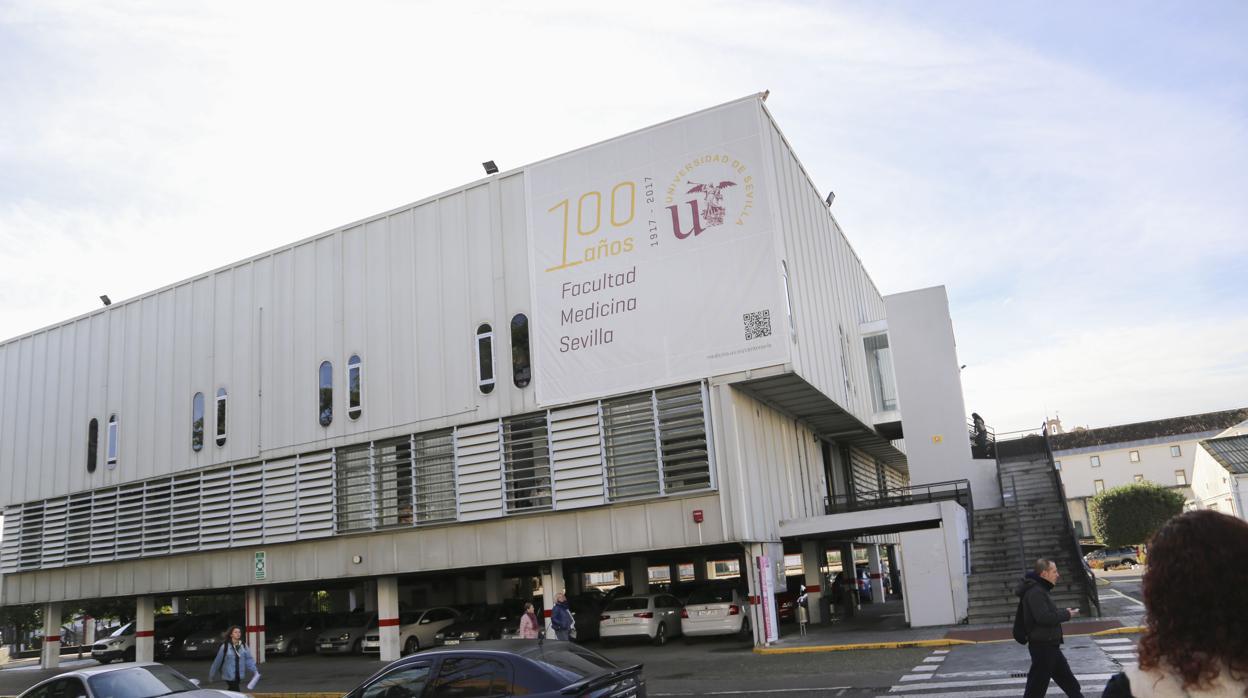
{"x":660,"y":635}
{"x":129,"y":656}
{"x":103,"y":661}
{"x":412,"y":646}
{"x":293,"y":650}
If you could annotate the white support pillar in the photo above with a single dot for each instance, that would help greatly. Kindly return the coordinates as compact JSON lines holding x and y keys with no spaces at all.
{"x":388,"y":617}
{"x":553,"y":584}
{"x":370,"y":596}
{"x":144,"y":629}
{"x":254,"y":601}
{"x":494,"y":585}
{"x":849,"y":581}
{"x":639,"y":574}
{"x":353,"y":599}
{"x":88,"y":631}
{"x":50,"y":657}
{"x":812,"y":559}
{"x":876,"y":569}
{"x":175,"y":604}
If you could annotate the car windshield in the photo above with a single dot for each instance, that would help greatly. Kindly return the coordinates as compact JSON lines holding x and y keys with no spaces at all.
{"x":629,"y":604}
{"x":127,"y":629}
{"x":139,"y":682}
{"x":357,"y":619}
{"x":477,"y":613}
{"x":711,"y":595}
{"x":573,"y":664}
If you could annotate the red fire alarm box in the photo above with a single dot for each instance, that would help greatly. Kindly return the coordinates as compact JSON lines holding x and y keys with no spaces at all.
{"x":697,"y":516}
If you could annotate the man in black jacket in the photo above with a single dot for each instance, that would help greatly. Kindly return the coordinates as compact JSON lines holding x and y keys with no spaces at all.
{"x":1044,"y":632}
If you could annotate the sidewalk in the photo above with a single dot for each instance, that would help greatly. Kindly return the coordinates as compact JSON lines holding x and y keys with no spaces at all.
{"x":883,"y":626}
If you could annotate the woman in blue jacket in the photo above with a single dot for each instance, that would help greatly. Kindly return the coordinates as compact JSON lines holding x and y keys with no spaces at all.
{"x":233,"y":660}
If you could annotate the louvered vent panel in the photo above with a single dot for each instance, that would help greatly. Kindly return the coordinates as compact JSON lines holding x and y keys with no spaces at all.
{"x":281,"y":479}
{"x":682,"y":439}
{"x":478,"y":471}
{"x":32,"y":536}
{"x":433,"y":476}
{"x":526,"y":460}
{"x":11,"y":545}
{"x":78,"y":529}
{"x":158,"y":501}
{"x":104,"y":525}
{"x":895,"y":479}
{"x":184,"y":519}
{"x":130,"y":521}
{"x":214,"y":531}
{"x":576,"y":457}
{"x":393,"y":484}
{"x":354,"y":503}
{"x":632,"y":446}
{"x":316,"y":496}
{"x":55,"y":511}
{"x":247,"y":514}
{"x":866,"y":484}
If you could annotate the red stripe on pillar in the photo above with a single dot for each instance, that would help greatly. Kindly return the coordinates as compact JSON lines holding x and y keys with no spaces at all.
{"x":145,"y":633}
{"x":754,"y":600}
{"x":52,"y":638}
{"x":387,"y":622}
{"x":876,"y":575}
{"x":812,"y":588}
{"x":546,"y":613}
{"x":255,"y":628}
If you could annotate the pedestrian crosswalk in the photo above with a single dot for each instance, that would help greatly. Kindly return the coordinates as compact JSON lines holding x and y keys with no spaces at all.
{"x":974,"y":675}
{"x":1121,"y":650}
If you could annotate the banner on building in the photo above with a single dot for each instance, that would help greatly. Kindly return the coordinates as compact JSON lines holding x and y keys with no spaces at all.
{"x":653,"y":259}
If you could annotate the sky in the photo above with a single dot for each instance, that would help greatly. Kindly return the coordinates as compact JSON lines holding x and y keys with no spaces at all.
{"x":1074,"y":173}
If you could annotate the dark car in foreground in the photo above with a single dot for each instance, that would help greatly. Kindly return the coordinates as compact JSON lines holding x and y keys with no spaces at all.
{"x":123,"y":681}
{"x":505,"y":668}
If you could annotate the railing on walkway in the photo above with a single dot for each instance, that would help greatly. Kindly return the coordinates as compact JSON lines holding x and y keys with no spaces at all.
{"x":1085,"y":575}
{"x":955,"y":490}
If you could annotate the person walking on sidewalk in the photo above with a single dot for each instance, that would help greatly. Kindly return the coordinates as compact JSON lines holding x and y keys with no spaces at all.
{"x":233,"y":659}
{"x":561,"y":618}
{"x":1195,"y":594}
{"x":528,"y":623}
{"x":1042,"y":622}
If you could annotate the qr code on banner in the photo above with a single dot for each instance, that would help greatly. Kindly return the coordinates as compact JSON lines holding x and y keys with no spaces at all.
{"x":757,"y":324}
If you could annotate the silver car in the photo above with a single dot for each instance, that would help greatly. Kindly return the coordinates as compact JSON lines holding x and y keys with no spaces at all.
{"x":345,"y":634}
{"x":147,"y":680}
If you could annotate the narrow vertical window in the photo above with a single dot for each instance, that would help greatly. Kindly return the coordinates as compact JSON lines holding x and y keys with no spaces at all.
{"x":354,"y":405}
{"x":221,"y":416}
{"x":112,"y":442}
{"x":327,"y":393}
{"x":93,"y":443}
{"x":197,"y":422}
{"x":521,"y":367}
{"x":485,"y":359}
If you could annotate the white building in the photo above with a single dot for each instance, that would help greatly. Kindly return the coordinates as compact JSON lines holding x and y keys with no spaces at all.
{"x":1220,"y":474}
{"x":1162,"y":451}
{"x":659,"y":350}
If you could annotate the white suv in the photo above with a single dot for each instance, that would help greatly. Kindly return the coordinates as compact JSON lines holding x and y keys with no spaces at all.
{"x":118,"y":645}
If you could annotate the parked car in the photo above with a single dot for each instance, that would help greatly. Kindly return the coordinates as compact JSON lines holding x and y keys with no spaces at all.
{"x":484,"y":622}
{"x":505,"y":668}
{"x":1110,"y":558}
{"x":715,"y":610}
{"x":786,"y":606}
{"x":292,"y":635}
{"x":416,"y":629}
{"x":128,"y":680}
{"x":345,"y":633}
{"x":204,"y":643}
{"x":118,"y":645}
{"x":172,"y":630}
{"x":655,"y":617}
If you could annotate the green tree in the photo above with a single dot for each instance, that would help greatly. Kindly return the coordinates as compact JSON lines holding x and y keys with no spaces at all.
{"x":22,"y":619}
{"x":1130,"y":514}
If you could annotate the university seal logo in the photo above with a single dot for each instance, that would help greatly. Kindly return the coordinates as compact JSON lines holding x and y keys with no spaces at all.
{"x":720,"y":191}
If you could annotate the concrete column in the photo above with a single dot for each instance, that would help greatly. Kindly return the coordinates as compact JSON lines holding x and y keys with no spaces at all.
{"x":370,"y":596}
{"x":462,"y":592}
{"x":493,"y":585}
{"x":388,"y":617}
{"x":144,"y":629}
{"x":699,"y":569}
{"x":552,"y":584}
{"x":254,"y":601}
{"x":175,"y":603}
{"x":639,"y":574}
{"x":849,"y":581}
{"x":88,"y":631}
{"x":673,"y":573}
{"x":50,"y":658}
{"x":812,"y":559}
{"x":354,"y":596}
{"x":876,"y":569}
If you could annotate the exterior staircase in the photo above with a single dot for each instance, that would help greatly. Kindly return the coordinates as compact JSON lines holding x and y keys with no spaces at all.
{"x":1033,"y":523}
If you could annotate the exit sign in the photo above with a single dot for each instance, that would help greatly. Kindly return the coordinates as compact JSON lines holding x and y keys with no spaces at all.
{"x":262,"y":570}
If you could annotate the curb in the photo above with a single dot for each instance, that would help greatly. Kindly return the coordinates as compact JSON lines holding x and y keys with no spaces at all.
{"x":1126,"y":630}
{"x":864,"y":646}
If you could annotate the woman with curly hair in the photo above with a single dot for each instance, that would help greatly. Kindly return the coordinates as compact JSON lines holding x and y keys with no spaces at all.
{"x":1196,"y":595}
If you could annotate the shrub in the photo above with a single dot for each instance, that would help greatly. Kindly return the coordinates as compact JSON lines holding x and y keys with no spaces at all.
{"x":1130,"y":514}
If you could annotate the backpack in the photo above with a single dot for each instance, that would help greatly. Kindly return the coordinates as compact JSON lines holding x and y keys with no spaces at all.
{"x":1020,"y":622}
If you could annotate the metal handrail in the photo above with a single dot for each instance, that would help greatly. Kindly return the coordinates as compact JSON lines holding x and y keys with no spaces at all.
{"x":1089,"y":583}
{"x":901,"y":496}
